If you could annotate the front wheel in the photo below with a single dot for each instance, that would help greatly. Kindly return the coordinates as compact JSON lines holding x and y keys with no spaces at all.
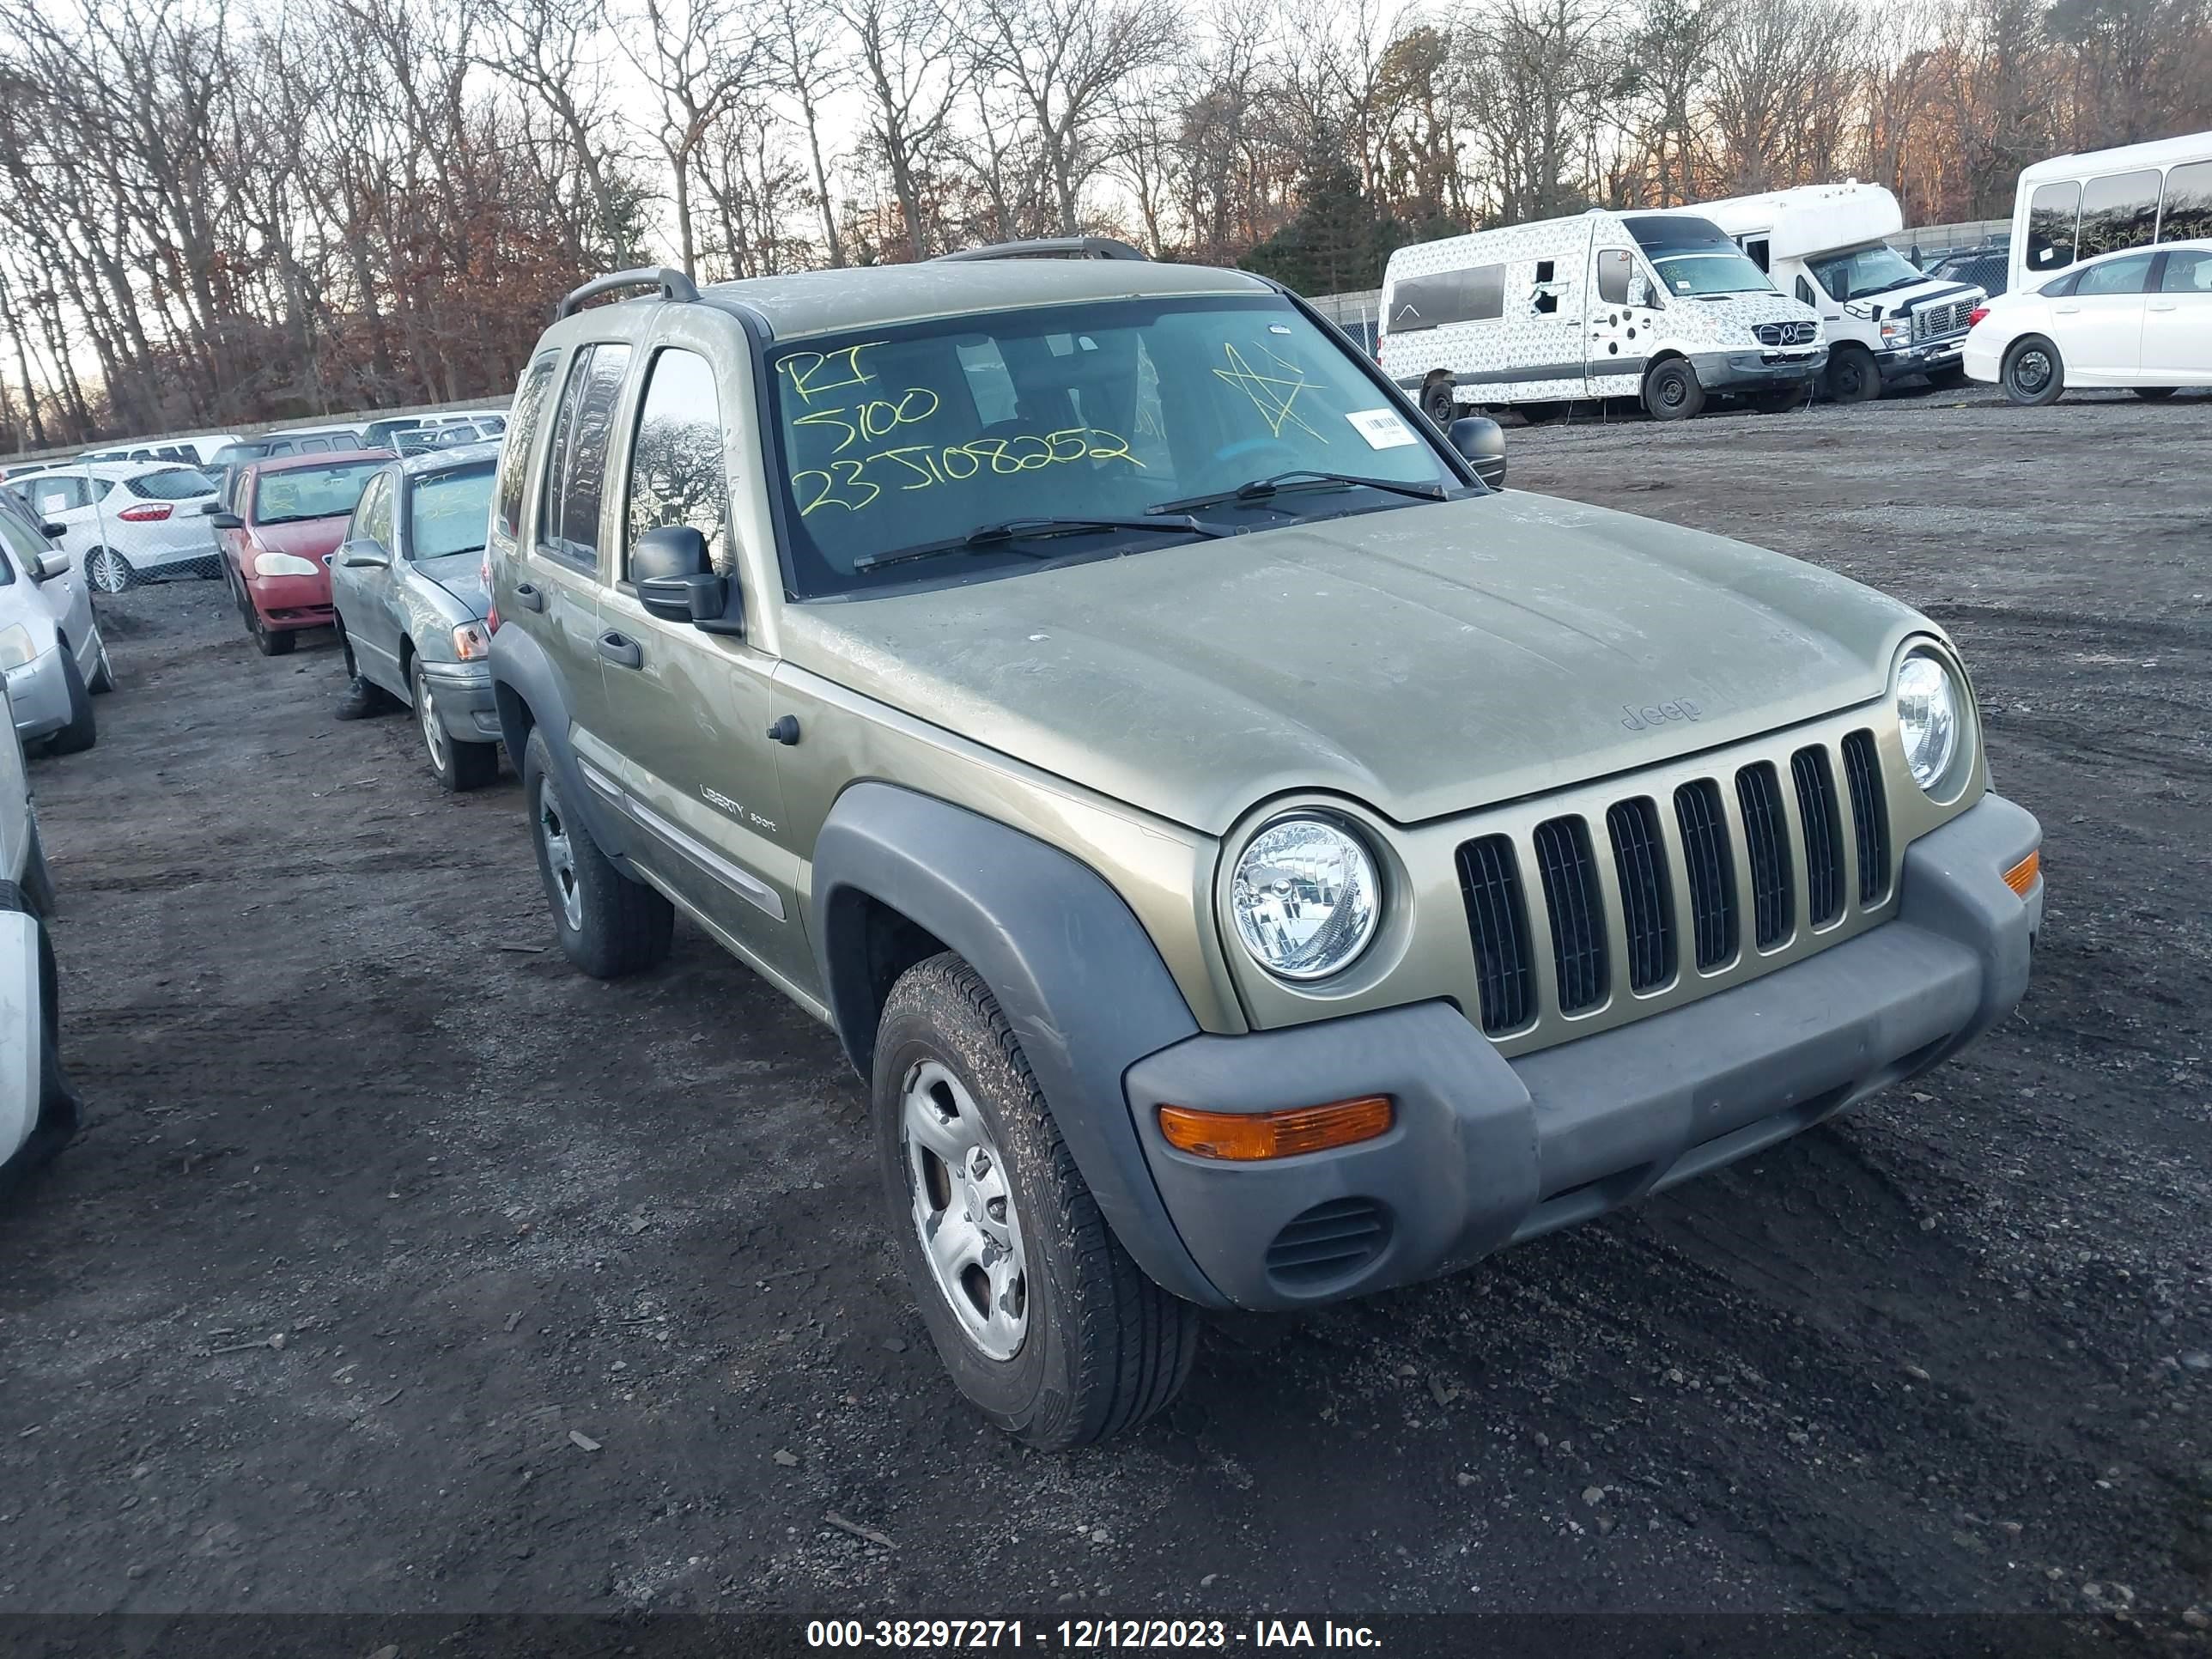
{"x":458,"y":766}
{"x":1671,"y":391}
{"x":270,"y":642}
{"x":1853,"y":376}
{"x":109,"y":571}
{"x":609,"y":926}
{"x":83,"y":728}
{"x":2034,"y":374}
{"x":1044,"y":1321}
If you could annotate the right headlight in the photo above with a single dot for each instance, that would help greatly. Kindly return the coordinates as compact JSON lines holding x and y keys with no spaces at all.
{"x":1306,"y":897}
{"x":1931,"y":719}
{"x":17,"y":648}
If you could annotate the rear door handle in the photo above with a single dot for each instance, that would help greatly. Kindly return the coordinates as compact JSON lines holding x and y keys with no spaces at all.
{"x":621,"y":651}
{"x":2167,"y":305}
{"x":2066,"y":311}
{"x":528,"y":594}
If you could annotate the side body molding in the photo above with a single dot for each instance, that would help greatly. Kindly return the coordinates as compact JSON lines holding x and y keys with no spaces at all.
{"x":1076,"y":975}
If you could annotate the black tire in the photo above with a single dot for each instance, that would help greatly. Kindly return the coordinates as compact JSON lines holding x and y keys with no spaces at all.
{"x":1854,"y":377}
{"x":1671,"y":391}
{"x":271,"y":641}
{"x":103,"y":672}
{"x":2034,"y":374}
{"x":83,"y":728}
{"x":1103,"y":1348}
{"x":2154,"y":394}
{"x":458,"y":766}
{"x":106,"y":571}
{"x":1439,"y":402}
{"x":1538,"y":414}
{"x":614,"y":926}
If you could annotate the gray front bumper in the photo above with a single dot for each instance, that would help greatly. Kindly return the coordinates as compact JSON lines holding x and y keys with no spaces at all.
{"x":1757,"y":369}
{"x":1486,"y":1151}
{"x":463,"y":694}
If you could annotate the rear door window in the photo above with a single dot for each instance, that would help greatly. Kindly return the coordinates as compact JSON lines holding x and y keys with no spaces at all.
{"x":2187,"y":273}
{"x":1475,"y":295}
{"x":514,"y":458}
{"x":576,"y":474}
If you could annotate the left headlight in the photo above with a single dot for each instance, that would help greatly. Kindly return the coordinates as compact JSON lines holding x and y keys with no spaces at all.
{"x":283,"y":564}
{"x":1306,"y":897}
{"x":1930,"y":719}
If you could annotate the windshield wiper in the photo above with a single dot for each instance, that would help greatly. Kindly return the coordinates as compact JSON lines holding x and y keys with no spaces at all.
{"x":1007,"y":530}
{"x":1304,"y":478}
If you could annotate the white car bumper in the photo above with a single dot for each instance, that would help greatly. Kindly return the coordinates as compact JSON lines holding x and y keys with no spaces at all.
{"x":1982,"y":359}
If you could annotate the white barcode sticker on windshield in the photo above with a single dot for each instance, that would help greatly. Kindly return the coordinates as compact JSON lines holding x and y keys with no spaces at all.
{"x":1381,"y":427}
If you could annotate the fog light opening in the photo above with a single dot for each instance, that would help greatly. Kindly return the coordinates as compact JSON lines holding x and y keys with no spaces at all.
{"x":1251,"y":1137}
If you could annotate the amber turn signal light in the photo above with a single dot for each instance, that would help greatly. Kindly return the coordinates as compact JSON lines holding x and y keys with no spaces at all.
{"x":2021,"y":876}
{"x":1249,"y":1137}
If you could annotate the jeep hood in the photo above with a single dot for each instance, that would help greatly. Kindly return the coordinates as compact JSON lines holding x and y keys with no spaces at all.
{"x":1424,"y":660}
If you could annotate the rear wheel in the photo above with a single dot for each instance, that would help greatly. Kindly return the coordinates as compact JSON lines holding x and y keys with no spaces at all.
{"x":1671,"y":391}
{"x":83,"y":728}
{"x":1439,"y":402}
{"x":1853,"y":376}
{"x":1044,"y":1321}
{"x":2034,"y":372}
{"x":109,"y":571}
{"x":2155,"y":394}
{"x":609,"y":926}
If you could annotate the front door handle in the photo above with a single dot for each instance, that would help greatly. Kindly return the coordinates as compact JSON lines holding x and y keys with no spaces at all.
{"x":621,"y":651}
{"x":2066,"y":311}
{"x":2167,"y":305}
{"x":528,"y":594}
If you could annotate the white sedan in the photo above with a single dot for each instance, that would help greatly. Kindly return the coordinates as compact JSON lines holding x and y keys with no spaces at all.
{"x":125,"y":522}
{"x":2140,"y":319}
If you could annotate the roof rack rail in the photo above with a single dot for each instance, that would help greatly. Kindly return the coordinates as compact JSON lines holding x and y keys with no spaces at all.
{"x":1050,"y":247}
{"x":672,"y":284}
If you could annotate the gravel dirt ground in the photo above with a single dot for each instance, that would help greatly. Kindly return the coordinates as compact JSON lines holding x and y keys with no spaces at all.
{"x":400,"y":1267}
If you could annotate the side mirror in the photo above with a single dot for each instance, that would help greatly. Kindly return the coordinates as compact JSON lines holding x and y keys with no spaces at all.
{"x":50,"y":565}
{"x":1482,"y":443}
{"x":54,"y":532}
{"x":222,"y":520}
{"x":677,"y":583}
{"x":364,"y":555}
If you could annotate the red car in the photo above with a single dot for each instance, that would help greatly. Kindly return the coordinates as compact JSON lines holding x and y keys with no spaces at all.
{"x":288,"y":516}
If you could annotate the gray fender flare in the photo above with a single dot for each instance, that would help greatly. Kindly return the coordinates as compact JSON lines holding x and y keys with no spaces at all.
{"x":528,"y":690}
{"x":1073,"y":970}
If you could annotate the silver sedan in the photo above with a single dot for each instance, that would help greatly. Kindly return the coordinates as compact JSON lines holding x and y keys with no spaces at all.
{"x":408,"y":584}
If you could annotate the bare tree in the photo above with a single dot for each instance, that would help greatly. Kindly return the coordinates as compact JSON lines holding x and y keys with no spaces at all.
{"x":905,"y":50}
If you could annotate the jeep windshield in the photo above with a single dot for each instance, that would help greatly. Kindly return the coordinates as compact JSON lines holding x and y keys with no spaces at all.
{"x":1090,"y":421}
{"x":1694,"y":258}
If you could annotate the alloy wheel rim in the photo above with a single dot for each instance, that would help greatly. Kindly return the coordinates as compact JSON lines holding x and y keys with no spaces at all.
{"x":560,"y":856}
{"x":433,"y":731}
{"x":105,"y":571}
{"x":963,"y":1209}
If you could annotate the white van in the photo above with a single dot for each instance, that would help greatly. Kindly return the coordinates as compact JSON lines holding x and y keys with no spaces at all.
{"x":1655,"y":306}
{"x":1884,"y":319}
{"x":2076,"y":206}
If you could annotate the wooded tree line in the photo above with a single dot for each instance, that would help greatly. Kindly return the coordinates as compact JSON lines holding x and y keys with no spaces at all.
{"x":212,"y":212}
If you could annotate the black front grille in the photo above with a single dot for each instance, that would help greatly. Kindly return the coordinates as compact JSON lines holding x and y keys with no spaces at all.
{"x":1647,"y":909}
{"x":1766,"y":839}
{"x":1869,"y":817}
{"x":1712,"y":878}
{"x":1824,"y":834}
{"x":1573,"y":900}
{"x":1489,"y":880}
{"x":1327,"y":1242}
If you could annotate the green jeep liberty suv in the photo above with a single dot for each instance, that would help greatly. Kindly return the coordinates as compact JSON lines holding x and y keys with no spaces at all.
{"x":1252,"y":861}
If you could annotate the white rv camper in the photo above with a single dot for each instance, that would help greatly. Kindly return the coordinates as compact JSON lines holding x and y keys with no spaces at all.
{"x":1884,"y":320}
{"x":2076,"y":206}
{"x":1657,"y":307}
